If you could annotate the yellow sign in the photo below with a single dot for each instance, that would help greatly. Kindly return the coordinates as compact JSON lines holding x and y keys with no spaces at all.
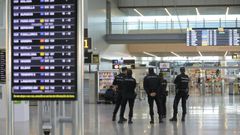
{"x":95,"y":59}
{"x":86,"y":44}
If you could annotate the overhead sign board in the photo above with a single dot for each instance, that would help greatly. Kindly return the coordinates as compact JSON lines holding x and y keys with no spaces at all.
{"x":117,"y":64}
{"x":213,"y":37}
{"x":164,"y":67}
{"x":44,"y":49}
{"x":95,"y":59}
{"x":87,"y":43}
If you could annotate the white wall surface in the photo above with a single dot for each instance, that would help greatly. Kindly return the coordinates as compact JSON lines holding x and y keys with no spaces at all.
{"x":116,"y":50}
{"x":97,"y":22}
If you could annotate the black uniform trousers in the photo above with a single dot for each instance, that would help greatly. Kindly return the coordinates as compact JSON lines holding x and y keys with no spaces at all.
{"x":123,"y":106}
{"x":158,"y":103}
{"x":163,"y":99}
{"x":118,"y":103}
{"x":180,"y":95}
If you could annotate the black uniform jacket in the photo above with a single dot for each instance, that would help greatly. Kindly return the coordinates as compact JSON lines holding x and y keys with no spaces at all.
{"x":118,"y":81}
{"x":151,"y":83}
{"x":163,"y":87}
{"x":181,"y":82}
{"x":128,"y":87}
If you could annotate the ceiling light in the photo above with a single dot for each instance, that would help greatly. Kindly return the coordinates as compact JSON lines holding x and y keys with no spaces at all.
{"x":168,"y":12}
{"x":138,"y":12}
{"x":225,"y":53}
{"x":200,"y":53}
{"x":197,"y":11}
{"x":227,"y":10}
{"x":175,"y":54}
{"x":150,"y":54}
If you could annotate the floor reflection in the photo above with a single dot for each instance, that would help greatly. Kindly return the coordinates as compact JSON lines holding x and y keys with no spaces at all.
{"x":209,"y":115}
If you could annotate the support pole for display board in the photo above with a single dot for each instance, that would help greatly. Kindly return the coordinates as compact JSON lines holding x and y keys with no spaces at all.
{"x":7,"y":92}
{"x":79,"y":104}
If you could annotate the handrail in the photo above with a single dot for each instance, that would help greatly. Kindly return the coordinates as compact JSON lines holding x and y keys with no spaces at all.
{"x":126,"y":27}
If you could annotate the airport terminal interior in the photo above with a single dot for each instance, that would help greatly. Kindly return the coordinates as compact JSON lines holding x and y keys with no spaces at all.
{"x":59,"y":58}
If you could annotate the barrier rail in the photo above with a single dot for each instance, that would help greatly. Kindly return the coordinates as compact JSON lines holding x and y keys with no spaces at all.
{"x":124,"y":27}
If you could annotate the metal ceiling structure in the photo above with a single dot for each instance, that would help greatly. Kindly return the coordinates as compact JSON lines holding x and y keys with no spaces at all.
{"x":181,"y":11}
{"x":178,"y":8}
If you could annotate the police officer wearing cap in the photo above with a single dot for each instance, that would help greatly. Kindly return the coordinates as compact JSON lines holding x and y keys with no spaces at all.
{"x":117,"y":83}
{"x":181,"y":82}
{"x":128,"y":95}
{"x":163,"y":94}
{"x":151,"y":85}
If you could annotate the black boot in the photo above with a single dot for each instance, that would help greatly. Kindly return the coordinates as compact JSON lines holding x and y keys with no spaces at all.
{"x":183,"y":117}
{"x":130,"y":121}
{"x":160,"y":119}
{"x":113,"y":117}
{"x":174,"y":118}
{"x":124,"y":119}
{"x":152,"y":120}
{"x":120,"y":120}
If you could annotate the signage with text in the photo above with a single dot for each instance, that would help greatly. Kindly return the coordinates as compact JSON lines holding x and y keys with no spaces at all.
{"x":44,"y":49}
{"x":213,"y":37}
{"x":2,"y":66}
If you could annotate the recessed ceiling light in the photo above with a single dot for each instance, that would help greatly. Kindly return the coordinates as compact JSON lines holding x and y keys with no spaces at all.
{"x":200,"y":53}
{"x":175,"y":54}
{"x":225,"y":53}
{"x":150,"y":54}
{"x":227,"y":10}
{"x":167,"y":12}
{"x":138,"y":12}
{"x":197,"y":11}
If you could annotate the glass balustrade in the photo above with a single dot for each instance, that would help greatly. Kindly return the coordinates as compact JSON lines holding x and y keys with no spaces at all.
{"x":125,"y":27}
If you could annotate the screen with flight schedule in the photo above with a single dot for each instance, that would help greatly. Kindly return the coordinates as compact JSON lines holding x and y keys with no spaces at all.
{"x":44,"y":49}
{"x":213,"y":37}
{"x":2,"y":66}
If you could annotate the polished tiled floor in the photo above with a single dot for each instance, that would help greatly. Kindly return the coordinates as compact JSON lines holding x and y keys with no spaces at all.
{"x":209,"y":115}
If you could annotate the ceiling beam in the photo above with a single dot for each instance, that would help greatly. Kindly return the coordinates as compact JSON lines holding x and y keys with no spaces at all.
{"x":173,"y":6}
{"x":146,"y":38}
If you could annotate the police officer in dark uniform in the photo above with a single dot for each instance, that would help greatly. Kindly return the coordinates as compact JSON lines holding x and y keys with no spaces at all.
{"x":151,"y":85}
{"x":128,"y":95}
{"x":181,"y":83}
{"x":117,"y":83}
{"x":163,"y":94}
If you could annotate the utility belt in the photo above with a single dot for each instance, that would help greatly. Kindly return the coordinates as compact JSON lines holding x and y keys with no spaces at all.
{"x":182,"y":90}
{"x":185,"y":91}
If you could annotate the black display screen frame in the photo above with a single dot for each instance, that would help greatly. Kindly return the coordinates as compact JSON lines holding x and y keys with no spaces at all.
{"x":3,"y":65}
{"x":210,"y":28}
{"x":47,"y":96}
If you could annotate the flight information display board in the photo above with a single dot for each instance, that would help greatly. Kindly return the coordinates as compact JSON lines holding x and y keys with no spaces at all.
{"x":44,"y":49}
{"x":213,"y":37}
{"x":2,"y":66}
